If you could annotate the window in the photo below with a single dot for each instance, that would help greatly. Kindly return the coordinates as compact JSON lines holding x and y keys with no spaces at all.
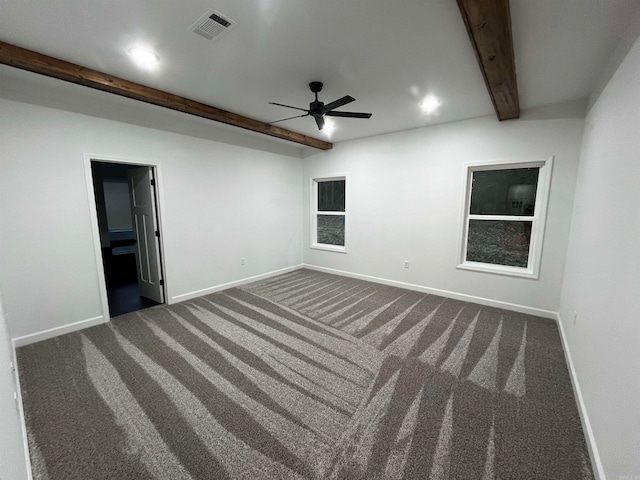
{"x":328,"y":215}
{"x":504,"y":217}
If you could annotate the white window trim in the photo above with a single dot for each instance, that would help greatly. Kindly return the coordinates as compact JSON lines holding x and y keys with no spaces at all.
{"x":538,"y":220}
{"x":314,"y":213}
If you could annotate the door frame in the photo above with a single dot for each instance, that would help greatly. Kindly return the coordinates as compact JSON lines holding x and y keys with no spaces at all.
{"x":93,"y":213}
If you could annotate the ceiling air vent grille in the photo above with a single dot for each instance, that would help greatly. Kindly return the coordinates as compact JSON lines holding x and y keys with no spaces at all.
{"x":211,"y":25}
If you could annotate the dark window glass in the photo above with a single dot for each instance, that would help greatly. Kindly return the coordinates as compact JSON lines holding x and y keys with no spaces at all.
{"x":504,"y":192}
{"x":499,"y":242}
{"x":331,"y":196}
{"x":331,"y":229}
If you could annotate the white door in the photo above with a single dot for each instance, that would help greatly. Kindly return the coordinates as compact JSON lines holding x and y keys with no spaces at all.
{"x":145,"y":230}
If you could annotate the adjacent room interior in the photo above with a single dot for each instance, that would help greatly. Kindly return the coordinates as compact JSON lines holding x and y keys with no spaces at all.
{"x":132,"y":278}
{"x":332,"y":240}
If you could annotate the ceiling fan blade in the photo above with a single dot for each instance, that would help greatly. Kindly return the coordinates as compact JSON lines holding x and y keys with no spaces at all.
{"x":348,"y":114}
{"x":289,"y":118}
{"x":338,"y":103}
{"x":319,"y":121}
{"x":288,"y":106}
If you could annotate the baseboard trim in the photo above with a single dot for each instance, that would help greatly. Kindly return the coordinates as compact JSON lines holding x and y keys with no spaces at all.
{"x":538,"y":312}
{"x":90,"y":322}
{"x":54,"y":332}
{"x":23,"y":422}
{"x":596,"y":462}
{"x":206,"y":291}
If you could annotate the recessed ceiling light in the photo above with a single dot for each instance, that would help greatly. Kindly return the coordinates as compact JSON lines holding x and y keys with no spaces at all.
{"x":430,"y":104}
{"x":144,"y":57}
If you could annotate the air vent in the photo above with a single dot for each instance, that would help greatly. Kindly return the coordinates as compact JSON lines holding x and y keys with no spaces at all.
{"x":211,"y":25}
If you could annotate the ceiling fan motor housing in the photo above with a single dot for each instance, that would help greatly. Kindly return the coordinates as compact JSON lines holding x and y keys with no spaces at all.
{"x":316,"y":108}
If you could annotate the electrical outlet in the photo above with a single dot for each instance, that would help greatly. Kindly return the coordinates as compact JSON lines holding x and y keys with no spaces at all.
{"x":406,"y":264}
{"x":242,"y":261}
{"x":575,"y":317}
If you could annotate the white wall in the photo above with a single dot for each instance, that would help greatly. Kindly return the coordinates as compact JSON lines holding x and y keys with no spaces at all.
{"x":405,"y":195}
{"x":219,"y":202}
{"x":602,"y":279}
{"x":12,"y":456}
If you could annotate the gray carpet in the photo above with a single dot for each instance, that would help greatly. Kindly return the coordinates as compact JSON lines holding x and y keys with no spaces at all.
{"x":305,"y":375}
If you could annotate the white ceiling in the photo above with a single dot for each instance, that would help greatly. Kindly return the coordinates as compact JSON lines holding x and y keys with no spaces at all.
{"x":386,"y":54}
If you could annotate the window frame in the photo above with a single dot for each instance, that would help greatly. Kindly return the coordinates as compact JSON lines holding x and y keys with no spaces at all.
{"x":314,"y":213}
{"x":538,"y":220}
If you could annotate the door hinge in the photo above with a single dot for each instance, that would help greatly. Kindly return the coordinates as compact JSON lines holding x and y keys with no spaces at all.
{"x":161,"y":282}
{"x":158,"y":233}
{"x":153,"y":182}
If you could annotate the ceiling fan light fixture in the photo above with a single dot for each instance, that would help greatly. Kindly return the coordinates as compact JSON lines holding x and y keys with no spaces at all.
{"x":329,"y":127}
{"x":143,"y":57}
{"x":430,"y":104}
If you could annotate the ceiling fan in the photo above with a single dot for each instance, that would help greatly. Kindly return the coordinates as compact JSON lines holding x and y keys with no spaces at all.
{"x":318,"y":110}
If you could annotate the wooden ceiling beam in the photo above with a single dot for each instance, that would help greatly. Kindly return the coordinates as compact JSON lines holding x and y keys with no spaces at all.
{"x":488,"y":24}
{"x":31,"y":61}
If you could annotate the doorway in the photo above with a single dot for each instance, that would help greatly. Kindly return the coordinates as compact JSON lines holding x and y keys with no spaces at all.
{"x":128,"y":223}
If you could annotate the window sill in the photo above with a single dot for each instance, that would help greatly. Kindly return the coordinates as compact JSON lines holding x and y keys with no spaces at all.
{"x":329,"y":248}
{"x":499,"y":270}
